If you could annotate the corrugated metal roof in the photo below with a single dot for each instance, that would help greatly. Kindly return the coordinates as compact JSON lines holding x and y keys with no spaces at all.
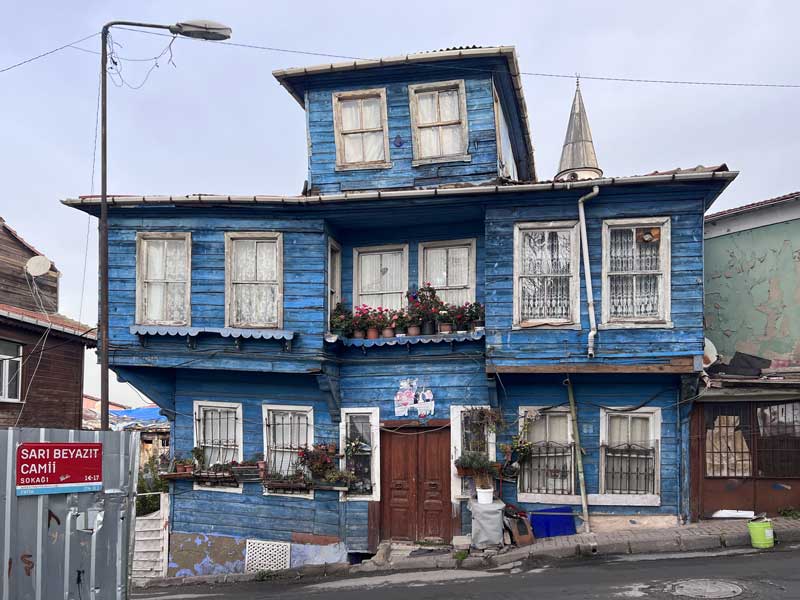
{"x":56,"y":321}
{"x":792,"y":197}
{"x":720,"y":172}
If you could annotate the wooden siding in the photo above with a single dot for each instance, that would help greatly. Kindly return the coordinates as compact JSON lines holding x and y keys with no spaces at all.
{"x":14,"y":289}
{"x":683,"y":204}
{"x":323,"y":176}
{"x":592,"y":392}
{"x":412,"y":234}
{"x":304,"y":256}
{"x":54,"y":397}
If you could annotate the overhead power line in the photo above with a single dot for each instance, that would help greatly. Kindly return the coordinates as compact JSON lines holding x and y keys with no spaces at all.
{"x":731,"y":84}
{"x":48,"y":53}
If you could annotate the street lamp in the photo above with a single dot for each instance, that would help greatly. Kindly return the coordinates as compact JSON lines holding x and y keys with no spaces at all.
{"x":199,"y":30}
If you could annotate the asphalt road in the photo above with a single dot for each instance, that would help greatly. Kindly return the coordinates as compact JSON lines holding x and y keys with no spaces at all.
{"x":764,"y":576}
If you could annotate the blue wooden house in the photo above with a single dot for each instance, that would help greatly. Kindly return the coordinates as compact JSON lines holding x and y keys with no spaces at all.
{"x":420,"y":169}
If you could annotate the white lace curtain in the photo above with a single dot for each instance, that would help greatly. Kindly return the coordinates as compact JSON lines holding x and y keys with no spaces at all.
{"x":165,"y":280}
{"x":381,"y":279}
{"x":635,"y":273}
{"x":546,"y":273}
{"x":254,"y":282}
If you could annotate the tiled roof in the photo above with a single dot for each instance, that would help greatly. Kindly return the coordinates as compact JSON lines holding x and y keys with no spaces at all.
{"x":56,"y":321}
{"x":754,"y":206}
{"x":697,"y":169}
{"x":22,"y":241}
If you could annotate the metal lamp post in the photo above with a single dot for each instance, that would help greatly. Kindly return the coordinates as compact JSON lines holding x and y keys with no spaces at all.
{"x":202,"y":30}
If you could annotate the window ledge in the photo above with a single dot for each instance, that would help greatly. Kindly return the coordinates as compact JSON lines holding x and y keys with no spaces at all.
{"x":593,"y":499}
{"x":225,"y":490}
{"x":534,"y":326}
{"x":298,"y":496}
{"x":635,"y":325}
{"x":364,"y":166}
{"x":412,"y":339}
{"x":418,"y":162}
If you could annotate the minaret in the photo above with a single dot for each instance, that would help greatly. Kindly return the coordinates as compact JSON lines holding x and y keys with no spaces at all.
{"x":578,"y":160}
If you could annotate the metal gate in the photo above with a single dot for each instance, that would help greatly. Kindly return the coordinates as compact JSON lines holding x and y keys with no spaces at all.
{"x":70,"y":546}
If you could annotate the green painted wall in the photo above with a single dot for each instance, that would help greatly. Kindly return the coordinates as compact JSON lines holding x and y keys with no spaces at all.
{"x":752,"y":292}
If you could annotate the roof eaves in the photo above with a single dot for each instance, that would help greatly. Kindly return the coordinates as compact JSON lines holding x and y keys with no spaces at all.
{"x":791,"y":197}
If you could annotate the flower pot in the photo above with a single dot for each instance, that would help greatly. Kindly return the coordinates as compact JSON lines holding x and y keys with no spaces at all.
{"x":413,"y":330}
{"x":338,"y":332}
{"x":373,"y":333}
{"x":428,"y":328}
{"x":485,"y":495}
{"x":476,"y":325}
{"x":180,"y":468}
{"x":387,"y":332}
{"x":445,"y":328}
{"x":358,"y":334}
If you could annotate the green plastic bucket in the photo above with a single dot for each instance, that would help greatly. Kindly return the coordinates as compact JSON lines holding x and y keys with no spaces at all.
{"x":761,"y":533}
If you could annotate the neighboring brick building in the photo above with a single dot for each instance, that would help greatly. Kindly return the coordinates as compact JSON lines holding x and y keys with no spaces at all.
{"x":41,"y":351}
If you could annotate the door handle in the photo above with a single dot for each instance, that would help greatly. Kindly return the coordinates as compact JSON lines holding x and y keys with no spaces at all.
{"x":432,"y":485}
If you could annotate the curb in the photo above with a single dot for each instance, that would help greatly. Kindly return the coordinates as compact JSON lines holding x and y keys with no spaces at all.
{"x":589,"y":545}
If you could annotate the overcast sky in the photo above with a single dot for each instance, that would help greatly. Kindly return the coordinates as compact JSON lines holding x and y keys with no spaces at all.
{"x":217,"y":121}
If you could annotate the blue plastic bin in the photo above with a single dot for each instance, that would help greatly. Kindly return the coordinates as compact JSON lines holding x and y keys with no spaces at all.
{"x":552,"y":525}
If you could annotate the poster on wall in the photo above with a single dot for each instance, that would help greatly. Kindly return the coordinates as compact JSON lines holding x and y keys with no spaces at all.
{"x":411,"y":399}
{"x":59,"y":468}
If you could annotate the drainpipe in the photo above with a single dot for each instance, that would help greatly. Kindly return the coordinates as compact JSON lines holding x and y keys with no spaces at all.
{"x":573,"y":409}
{"x":587,"y":272}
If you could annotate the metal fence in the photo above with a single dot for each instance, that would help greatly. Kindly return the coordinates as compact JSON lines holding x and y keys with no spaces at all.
{"x":70,"y":546}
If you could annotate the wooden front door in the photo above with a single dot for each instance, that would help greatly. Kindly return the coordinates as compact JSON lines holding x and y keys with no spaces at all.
{"x":415,"y":479}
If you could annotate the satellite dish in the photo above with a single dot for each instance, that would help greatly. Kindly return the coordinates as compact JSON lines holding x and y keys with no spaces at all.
{"x":710,"y":354}
{"x":37,"y":265}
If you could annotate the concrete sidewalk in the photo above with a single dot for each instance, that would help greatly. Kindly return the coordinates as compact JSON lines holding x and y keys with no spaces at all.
{"x":707,"y":535}
{"x":696,"y":537}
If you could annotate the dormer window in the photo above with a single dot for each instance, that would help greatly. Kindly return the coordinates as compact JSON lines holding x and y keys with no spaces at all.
{"x":361,"y":128}
{"x":439,"y":122}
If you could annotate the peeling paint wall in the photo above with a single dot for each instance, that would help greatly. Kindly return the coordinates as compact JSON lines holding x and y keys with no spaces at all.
{"x":752,"y":292}
{"x":198,"y":554}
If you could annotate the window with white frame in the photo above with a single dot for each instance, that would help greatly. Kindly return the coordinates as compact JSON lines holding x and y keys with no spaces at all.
{"x":218,"y":431}
{"x":163,"y":278}
{"x":362,"y":131}
{"x":450,"y":268}
{"x":380,"y":276}
{"x":547,"y":454}
{"x":10,"y":371}
{"x":359,"y":444}
{"x":471,"y":431}
{"x":546,"y":273}
{"x":629,"y":445}
{"x":334,"y":275}
{"x":287,"y":430}
{"x":636,"y":271}
{"x":254,"y":279}
{"x":439,"y":121}
{"x":506,"y":165}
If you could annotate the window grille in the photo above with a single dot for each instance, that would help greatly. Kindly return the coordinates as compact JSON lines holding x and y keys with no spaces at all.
{"x":630,"y":456}
{"x":287,"y":432}
{"x":164,"y":280}
{"x":358,"y":457}
{"x":635,"y":272}
{"x":752,"y":440}
{"x":546,"y":274}
{"x":547,"y":467}
{"x":217,"y":431}
{"x":10,"y":367}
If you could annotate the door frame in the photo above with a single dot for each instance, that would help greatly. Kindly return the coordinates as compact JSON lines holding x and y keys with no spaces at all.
{"x":376,"y":516}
